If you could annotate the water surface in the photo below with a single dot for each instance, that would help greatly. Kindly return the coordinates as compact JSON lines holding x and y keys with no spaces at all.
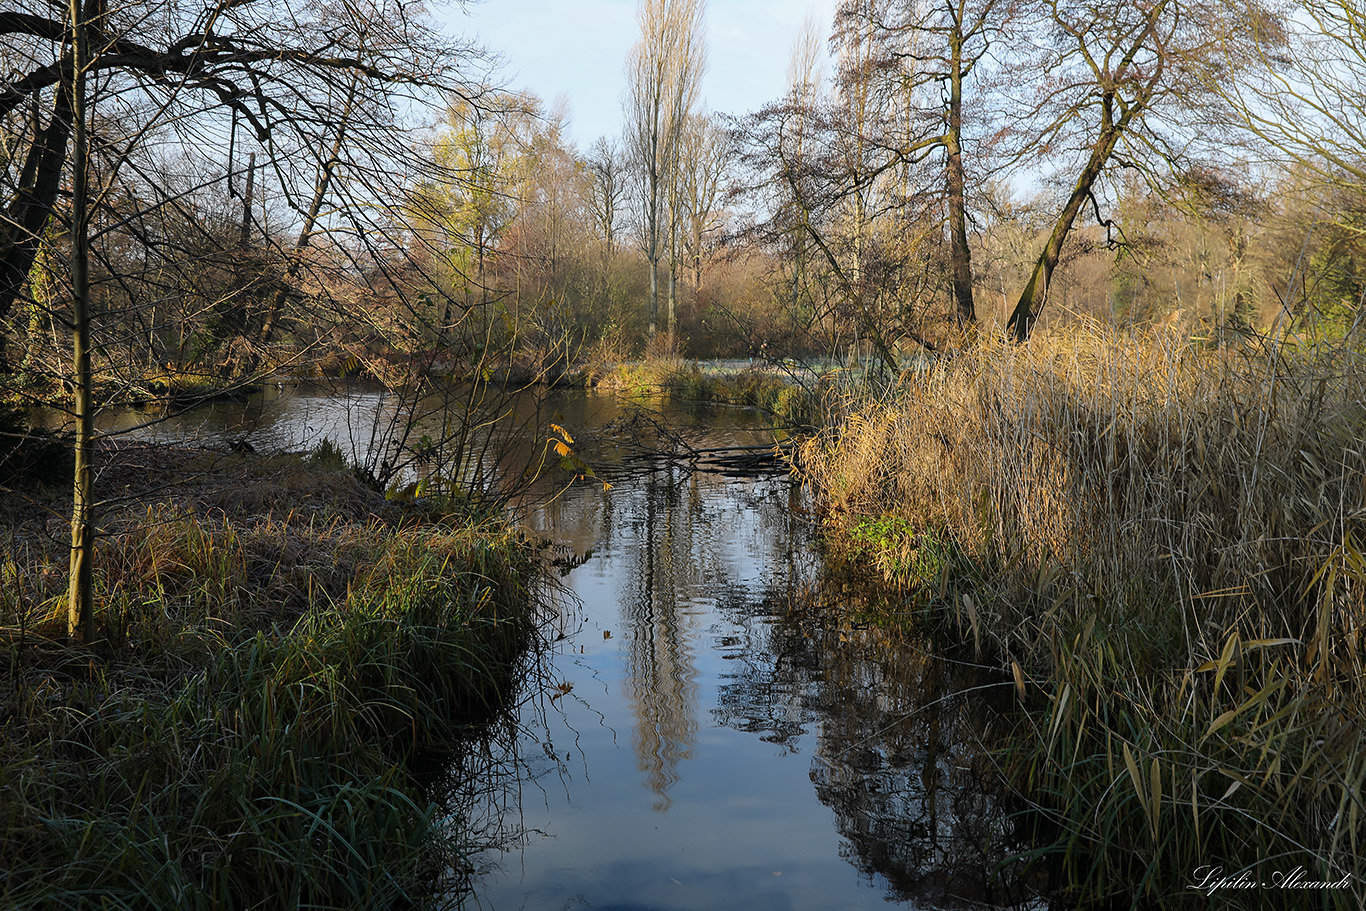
{"x":720,"y":732}
{"x":713,"y":727}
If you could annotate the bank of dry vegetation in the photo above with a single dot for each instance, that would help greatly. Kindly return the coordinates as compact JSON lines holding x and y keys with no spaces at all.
{"x":278,"y":644}
{"x":787,"y":394}
{"x":1163,"y":546}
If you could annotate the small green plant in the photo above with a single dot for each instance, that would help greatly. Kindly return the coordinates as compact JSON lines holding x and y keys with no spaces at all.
{"x":327,"y":455}
{"x":905,"y":557}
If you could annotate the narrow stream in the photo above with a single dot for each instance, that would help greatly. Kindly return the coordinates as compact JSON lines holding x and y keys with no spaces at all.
{"x":717,"y":732}
{"x":713,"y":727}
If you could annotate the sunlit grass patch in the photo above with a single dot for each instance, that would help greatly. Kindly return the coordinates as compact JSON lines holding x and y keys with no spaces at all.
{"x":656,"y":376}
{"x":766,"y":389}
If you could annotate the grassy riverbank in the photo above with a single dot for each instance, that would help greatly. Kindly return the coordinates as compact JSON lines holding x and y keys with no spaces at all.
{"x":1163,"y":546}
{"x":279,"y":642}
{"x":768,"y":388}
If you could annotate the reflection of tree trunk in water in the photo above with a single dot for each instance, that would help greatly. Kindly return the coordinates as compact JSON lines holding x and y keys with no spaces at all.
{"x":660,"y":676}
{"x":929,"y":774}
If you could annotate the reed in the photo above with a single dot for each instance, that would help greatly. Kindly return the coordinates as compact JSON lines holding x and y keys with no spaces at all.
{"x":243,"y":736}
{"x":1162,"y":545}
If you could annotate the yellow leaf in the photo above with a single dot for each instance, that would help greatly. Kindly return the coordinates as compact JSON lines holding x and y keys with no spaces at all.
{"x":1137,"y":779}
{"x":1219,"y":722}
{"x":1057,"y":712}
{"x":1225,"y":660}
{"x":561,"y":450}
{"x":562,"y":432}
{"x":1267,"y":643}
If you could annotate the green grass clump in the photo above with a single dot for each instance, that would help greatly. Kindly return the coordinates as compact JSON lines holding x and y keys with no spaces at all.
{"x":910,"y":559}
{"x":1162,"y":547}
{"x":654,"y":377}
{"x":769,"y":391}
{"x":243,"y":735}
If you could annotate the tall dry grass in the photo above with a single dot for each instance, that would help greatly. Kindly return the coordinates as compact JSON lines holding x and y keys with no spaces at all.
{"x":1164,"y":545}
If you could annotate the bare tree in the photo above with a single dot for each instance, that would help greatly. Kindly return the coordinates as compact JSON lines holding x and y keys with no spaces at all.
{"x":1127,"y":81}
{"x":805,"y":74}
{"x":822,"y":192}
{"x":706,"y":154}
{"x":918,"y":71}
{"x":607,"y":189}
{"x":664,"y":74}
{"x":1301,"y":101}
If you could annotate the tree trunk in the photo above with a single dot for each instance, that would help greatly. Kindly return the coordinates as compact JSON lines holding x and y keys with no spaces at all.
{"x":244,"y":240}
{"x":80,"y":594}
{"x":959,"y":253}
{"x":670,"y":310}
{"x":1035,"y":293}
{"x":652,"y":251}
{"x":1032,"y":299}
{"x":22,"y":229}
{"x":652,"y":305}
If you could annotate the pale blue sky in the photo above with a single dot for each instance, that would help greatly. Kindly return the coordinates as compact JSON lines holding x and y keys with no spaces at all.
{"x":577,"y":48}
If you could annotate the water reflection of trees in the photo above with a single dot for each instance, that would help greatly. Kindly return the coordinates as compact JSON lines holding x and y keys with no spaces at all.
{"x":900,"y":751}
{"x":675,"y":534}
{"x":679,"y":529}
{"x":660,"y":674}
{"x":895,"y":734}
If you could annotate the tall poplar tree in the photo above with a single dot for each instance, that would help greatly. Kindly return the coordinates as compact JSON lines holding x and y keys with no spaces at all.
{"x":664,"y":75}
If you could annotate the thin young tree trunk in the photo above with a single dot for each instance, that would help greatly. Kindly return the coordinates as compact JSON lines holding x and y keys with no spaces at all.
{"x":80,"y":589}
{"x":652,"y":253}
{"x":670,"y":307}
{"x":244,"y":240}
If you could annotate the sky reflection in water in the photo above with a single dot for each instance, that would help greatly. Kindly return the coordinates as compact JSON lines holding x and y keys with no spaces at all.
{"x":722,"y":746}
